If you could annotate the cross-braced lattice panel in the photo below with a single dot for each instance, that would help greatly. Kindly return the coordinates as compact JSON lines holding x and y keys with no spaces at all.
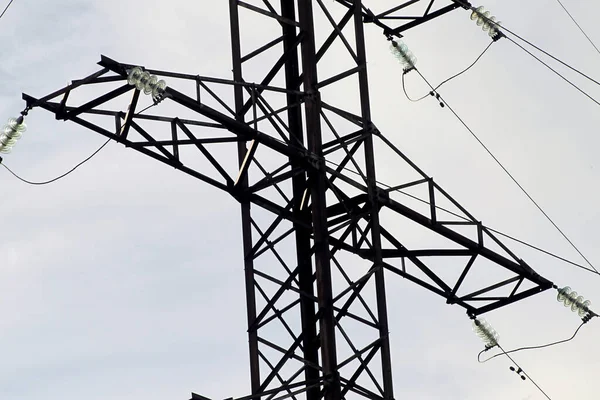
{"x":250,"y":138}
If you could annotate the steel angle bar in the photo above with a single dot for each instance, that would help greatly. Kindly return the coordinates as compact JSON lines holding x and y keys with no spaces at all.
{"x":505,"y":282}
{"x":282,"y":381}
{"x":283,"y":310}
{"x":262,"y":49}
{"x":352,"y":381}
{"x":124,"y":130}
{"x":278,"y":313}
{"x":203,"y":85}
{"x":270,"y":14}
{"x":358,"y":356}
{"x":287,"y":355}
{"x":357,"y":352}
{"x":207,"y":154}
{"x":338,"y":31}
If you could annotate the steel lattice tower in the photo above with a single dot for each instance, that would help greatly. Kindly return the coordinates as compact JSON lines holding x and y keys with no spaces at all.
{"x":317,"y":247}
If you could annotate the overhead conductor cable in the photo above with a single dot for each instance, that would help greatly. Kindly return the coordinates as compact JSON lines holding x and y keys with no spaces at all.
{"x":491,"y":339}
{"x":438,"y":207}
{"x":482,"y":18}
{"x":490,"y":25}
{"x":578,"y":26}
{"x":571,"y":299}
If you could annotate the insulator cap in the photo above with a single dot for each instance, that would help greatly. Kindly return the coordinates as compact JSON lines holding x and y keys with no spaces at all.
{"x":403,"y":54}
{"x":11,"y":133}
{"x":146,"y":82}
{"x":571,"y":299}
{"x":485,"y":331}
{"x":487,"y":21}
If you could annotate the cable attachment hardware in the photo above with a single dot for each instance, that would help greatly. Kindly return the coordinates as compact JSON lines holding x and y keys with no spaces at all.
{"x":588,"y":317}
{"x":404,"y":55}
{"x":26,"y":111}
{"x":485,"y":331}
{"x":437,"y":97}
{"x":149,"y":84}
{"x":518,"y":371}
{"x":577,"y":303}
{"x":488,"y":23}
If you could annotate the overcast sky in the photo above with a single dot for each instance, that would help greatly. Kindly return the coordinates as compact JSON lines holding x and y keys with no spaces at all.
{"x":125,"y":280}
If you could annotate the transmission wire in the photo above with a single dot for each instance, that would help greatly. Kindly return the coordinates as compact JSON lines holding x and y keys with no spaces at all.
{"x":406,"y":94}
{"x":6,"y":8}
{"x":61,"y":176}
{"x":579,"y":26}
{"x":530,"y":347}
{"x":524,"y":373}
{"x":75,"y":167}
{"x":548,"y":253}
{"x":511,"y":176}
{"x":543,"y":251}
{"x":466,"y":69}
{"x":555,"y":71}
{"x":503,"y":29}
{"x":449,"y":79}
{"x":150,"y":106}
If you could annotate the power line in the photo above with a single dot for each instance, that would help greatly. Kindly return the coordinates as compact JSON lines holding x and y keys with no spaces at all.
{"x":548,"y":253}
{"x":61,"y":176}
{"x":147,"y":108}
{"x":449,"y":79}
{"x":524,"y":373}
{"x":406,"y":94}
{"x":511,"y":176}
{"x":468,"y":68}
{"x":555,"y":71}
{"x":530,"y":347}
{"x":543,"y":251}
{"x":580,"y":28}
{"x":503,"y":29}
{"x":524,"y":243}
{"x":75,"y":167}
{"x":6,"y":8}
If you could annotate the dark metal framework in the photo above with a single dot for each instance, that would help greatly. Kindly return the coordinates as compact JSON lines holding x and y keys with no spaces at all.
{"x":407,"y":14}
{"x":319,"y":231}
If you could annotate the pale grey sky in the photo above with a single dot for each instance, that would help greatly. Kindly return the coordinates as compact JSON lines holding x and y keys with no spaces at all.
{"x":107,"y":276}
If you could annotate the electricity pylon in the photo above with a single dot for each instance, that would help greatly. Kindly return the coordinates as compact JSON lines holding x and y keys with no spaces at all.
{"x":292,"y":140}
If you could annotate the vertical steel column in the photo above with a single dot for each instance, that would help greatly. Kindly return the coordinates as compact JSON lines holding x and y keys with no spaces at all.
{"x":317,"y":182}
{"x":386,"y":360}
{"x":302,"y":235}
{"x":245,"y":205}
